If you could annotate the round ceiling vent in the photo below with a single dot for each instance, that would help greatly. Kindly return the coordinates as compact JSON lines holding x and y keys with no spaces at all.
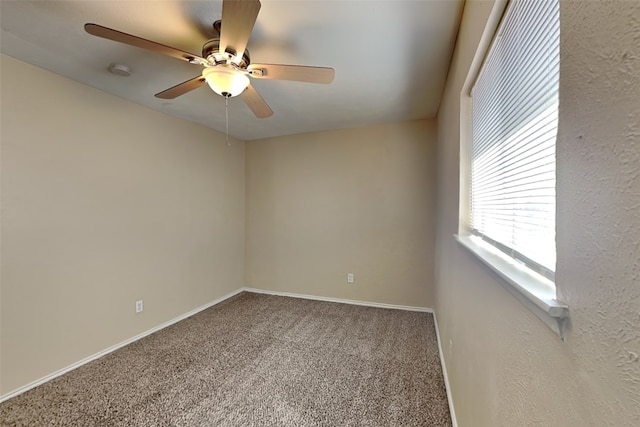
{"x":119,"y":70}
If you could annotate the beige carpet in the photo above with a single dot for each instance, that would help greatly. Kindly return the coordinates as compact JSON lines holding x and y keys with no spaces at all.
{"x":256,"y":360}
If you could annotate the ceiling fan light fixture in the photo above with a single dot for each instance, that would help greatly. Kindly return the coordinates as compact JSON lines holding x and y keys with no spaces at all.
{"x":225,"y":59}
{"x":226,"y":80}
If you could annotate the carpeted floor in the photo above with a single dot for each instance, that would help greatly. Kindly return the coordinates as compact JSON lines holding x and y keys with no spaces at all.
{"x":256,"y":360}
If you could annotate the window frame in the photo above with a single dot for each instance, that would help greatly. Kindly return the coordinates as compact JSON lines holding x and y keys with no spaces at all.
{"x":535,"y":291}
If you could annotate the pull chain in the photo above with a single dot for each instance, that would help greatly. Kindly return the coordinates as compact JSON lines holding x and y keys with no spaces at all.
{"x":226,"y":120}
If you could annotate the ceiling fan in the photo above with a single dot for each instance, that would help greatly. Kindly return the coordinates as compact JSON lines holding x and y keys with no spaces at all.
{"x":225,"y":58}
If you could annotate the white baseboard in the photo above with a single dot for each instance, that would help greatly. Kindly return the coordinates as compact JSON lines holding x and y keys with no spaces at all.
{"x":108,"y":350}
{"x":340,"y":300}
{"x":454,"y":422}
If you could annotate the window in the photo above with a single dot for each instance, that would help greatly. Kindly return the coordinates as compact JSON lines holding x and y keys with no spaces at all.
{"x":513,"y":126}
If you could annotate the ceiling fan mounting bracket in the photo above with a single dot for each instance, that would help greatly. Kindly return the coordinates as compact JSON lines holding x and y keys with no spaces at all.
{"x":216,"y":27}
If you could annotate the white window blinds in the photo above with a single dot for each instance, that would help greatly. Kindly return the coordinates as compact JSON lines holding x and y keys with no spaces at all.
{"x":514,"y":126}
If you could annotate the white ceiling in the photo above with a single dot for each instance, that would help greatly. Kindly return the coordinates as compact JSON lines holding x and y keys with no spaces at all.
{"x":390,"y":56}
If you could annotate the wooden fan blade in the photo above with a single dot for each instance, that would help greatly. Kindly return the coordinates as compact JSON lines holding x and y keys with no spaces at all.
{"x":118,"y":36}
{"x":255,"y":102}
{"x":299,"y":73}
{"x":182,"y":88}
{"x":238,"y":19}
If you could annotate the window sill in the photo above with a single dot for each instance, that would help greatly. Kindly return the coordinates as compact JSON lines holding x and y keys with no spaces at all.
{"x":534,"y":291}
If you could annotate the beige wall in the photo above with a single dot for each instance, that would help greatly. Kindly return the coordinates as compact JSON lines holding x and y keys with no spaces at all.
{"x":505,"y":366}
{"x":359,"y":201}
{"x":103,"y":203}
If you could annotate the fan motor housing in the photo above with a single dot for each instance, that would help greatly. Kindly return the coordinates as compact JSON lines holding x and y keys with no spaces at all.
{"x":211,"y":50}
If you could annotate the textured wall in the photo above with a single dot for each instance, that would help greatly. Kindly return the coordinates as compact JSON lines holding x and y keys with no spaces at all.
{"x":103,"y":203}
{"x":599,"y":199}
{"x":505,"y":366}
{"x":324,"y":204}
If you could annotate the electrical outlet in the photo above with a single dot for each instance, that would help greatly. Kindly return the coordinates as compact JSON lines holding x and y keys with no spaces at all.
{"x":139,"y":306}
{"x":350,"y":278}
